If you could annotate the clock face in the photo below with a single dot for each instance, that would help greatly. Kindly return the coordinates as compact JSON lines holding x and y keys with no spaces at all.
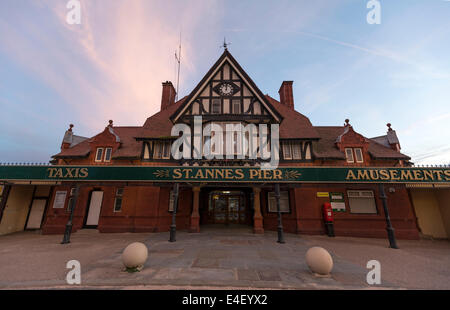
{"x":226,"y":89}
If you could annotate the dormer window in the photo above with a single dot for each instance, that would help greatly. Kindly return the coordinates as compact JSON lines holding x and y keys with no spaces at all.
{"x":162,"y":150}
{"x":147,"y":150}
{"x":349,"y":155}
{"x":354,"y":155}
{"x":287,"y":150}
{"x":103,"y":154}
{"x":292,"y":150}
{"x":99,"y":155}
{"x":359,"y":156}
{"x":108,"y":153}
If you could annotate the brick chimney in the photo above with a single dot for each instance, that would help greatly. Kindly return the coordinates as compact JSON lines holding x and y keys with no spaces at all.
{"x":168,"y":95}
{"x":393,"y":139}
{"x":68,"y":138}
{"x":286,"y":95}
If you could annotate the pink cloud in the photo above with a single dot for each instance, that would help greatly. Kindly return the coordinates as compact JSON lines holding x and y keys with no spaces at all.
{"x":112,"y":65}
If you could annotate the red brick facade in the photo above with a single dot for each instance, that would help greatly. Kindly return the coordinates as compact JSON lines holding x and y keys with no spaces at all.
{"x":145,"y":207}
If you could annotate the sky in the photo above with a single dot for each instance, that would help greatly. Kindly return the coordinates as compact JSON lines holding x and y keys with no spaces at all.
{"x":112,"y":64}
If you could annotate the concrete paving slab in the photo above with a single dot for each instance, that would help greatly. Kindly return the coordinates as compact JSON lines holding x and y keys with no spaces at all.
{"x":269,"y":275}
{"x":206,"y":263}
{"x":247,"y":275}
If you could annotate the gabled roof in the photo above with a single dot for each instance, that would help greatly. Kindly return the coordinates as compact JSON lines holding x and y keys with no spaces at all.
{"x":225,"y":57}
{"x":326,"y":148}
{"x":129,"y":147}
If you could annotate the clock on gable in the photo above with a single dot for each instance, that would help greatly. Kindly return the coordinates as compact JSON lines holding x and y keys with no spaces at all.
{"x":226,"y":89}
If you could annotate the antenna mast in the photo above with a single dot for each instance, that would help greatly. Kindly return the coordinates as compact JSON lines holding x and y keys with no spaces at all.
{"x":178,"y":58}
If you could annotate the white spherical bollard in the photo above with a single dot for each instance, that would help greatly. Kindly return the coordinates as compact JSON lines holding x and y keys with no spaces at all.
{"x":135,"y":255}
{"x":319,"y":260}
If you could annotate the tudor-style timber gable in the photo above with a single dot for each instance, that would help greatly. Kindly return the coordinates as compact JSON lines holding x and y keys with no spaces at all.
{"x":227,"y":93}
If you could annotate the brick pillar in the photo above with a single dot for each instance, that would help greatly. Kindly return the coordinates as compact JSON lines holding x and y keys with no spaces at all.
{"x":257,"y":217}
{"x":195,"y":216}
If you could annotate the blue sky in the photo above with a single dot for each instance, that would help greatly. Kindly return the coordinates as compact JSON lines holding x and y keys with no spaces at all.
{"x":111,"y":65}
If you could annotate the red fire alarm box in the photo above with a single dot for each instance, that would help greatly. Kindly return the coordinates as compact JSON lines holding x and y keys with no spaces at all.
{"x":328,"y":212}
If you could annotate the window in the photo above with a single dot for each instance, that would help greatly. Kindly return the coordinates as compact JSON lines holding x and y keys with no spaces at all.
{"x":171,"y":201}
{"x":236,"y":106}
{"x":236,"y":143}
{"x":147,"y":151}
{"x":232,"y":138}
{"x":118,"y":200}
{"x":162,"y":150}
{"x":157,"y":150}
{"x":284,"y":202}
{"x":216,"y":106}
{"x":359,"y":156}
{"x":108,"y":152}
{"x":207,"y":145}
{"x":216,"y":146}
{"x":362,"y":202}
{"x":292,"y":150}
{"x":308,"y":151}
{"x":296,"y":153}
{"x":349,"y":155}
{"x":99,"y":154}
{"x":71,"y":198}
{"x":354,"y":155}
{"x":287,"y":150}
{"x":166,"y":150}
{"x":103,"y":154}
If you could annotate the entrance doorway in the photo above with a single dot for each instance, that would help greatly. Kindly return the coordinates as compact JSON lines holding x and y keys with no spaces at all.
{"x":95,"y":206}
{"x":36,"y":214}
{"x":226,"y":207}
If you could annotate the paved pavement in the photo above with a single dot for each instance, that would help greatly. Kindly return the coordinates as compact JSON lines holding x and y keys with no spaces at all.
{"x":219,"y":258}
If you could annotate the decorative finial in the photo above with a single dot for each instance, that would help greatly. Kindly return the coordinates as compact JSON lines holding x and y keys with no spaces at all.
{"x":225,"y":44}
{"x":347,"y":122}
{"x":70,"y":127}
{"x":389,"y":126}
{"x":110,"y":123}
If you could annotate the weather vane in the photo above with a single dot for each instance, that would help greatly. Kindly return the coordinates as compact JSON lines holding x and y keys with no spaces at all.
{"x":225,"y":44}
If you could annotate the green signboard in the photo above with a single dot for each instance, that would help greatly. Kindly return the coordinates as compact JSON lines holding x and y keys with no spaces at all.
{"x":225,"y":174}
